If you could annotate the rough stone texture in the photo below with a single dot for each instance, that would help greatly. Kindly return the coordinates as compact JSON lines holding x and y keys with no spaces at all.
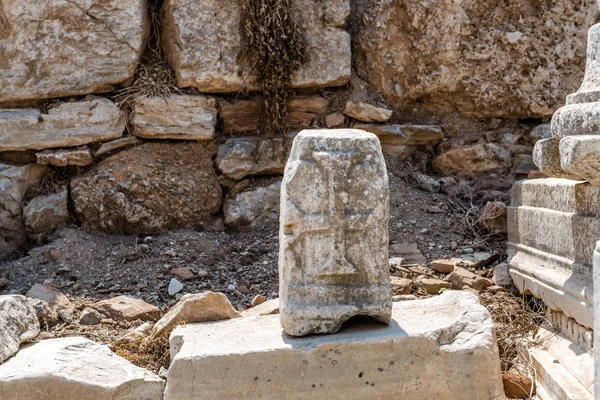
{"x":229,"y":358}
{"x":269,"y":307}
{"x":66,"y":125}
{"x":589,"y":91}
{"x":253,"y":208}
{"x":43,"y":214}
{"x":576,"y":119}
{"x":213,"y":27}
{"x":443,"y":266}
{"x":518,"y":386}
{"x":149,"y":188}
{"x":75,"y":368}
{"x":127,"y":308}
{"x":242,"y":116}
{"x":553,"y":225}
{"x":80,"y":156}
{"x":470,"y":161}
{"x":501,"y":275}
{"x":50,"y":295}
{"x":63,"y":48}
{"x":333,"y":257}
{"x":367,"y":112}
{"x":175,"y":117}
{"x":456,"y":57}
{"x":543,"y":131}
{"x":580,"y":157}
{"x":201,"y":307}
{"x":18,"y":324}
{"x":14,"y":183}
{"x":241,"y":157}
{"x":403,"y":139}
{"x":546,"y":156}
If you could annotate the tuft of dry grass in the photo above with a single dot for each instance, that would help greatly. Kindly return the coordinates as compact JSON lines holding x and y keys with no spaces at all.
{"x":273,"y":47}
{"x":516,"y":323}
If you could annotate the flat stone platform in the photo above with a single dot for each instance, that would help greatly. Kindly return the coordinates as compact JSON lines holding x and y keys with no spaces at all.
{"x":439,"y":348}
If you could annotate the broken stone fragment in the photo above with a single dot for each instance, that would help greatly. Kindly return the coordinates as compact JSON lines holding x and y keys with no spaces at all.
{"x":367,"y":112}
{"x":214,"y":28}
{"x":68,"y":124}
{"x":89,"y":316}
{"x":50,"y":295}
{"x":77,"y":368}
{"x":80,"y":156}
{"x":409,"y":252}
{"x":242,"y":116}
{"x":335,"y":120}
{"x":201,"y":307}
{"x":394,"y":136}
{"x":183,"y":117}
{"x":433,"y":286}
{"x":43,"y":214}
{"x":15,"y":181}
{"x":135,"y":335}
{"x":460,"y":278}
{"x":469,"y":161}
{"x":400,"y":286}
{"x":475,"y":260}
{"x":580,"y":156}
{"x":333,"y":258}
{"x":183,"y":273}
{"x":127,"y":308}
{"x":258,"y":299}
{"x":174,"y":287}
{"x":253,"y":208}
{"x":55,"y":49}
{"x":443,"y":266}
{"x":501,"y":275}
{"x":269,"y":307}
{"x":18,"y":324}
{"x":241,"y":157}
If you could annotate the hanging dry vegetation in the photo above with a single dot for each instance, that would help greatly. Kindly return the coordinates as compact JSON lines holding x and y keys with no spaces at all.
{"x":274,"y":47}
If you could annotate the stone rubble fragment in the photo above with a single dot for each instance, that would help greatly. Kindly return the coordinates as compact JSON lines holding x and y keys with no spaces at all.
{"x":334,"y":120}
{"x":333,"y":258}
{"x":269,"y":307}
{"x":241,"y":157}
{"x":127,"y":308}
{"x":68,"y":124}
{"x":433,"y":286}
{"x":409,"y":252}
{"x":201,"y":307}
{"x":65,"y":48}
{"x":50,"y":295}
{"x":79,"y":156}
{"x":367,"y":112}
{"x":135,"y":335}
{"x":114,"y":145}
{"x":174,"y":287}
{"x":400,"y":286}
{"x":184,"y":117}
{"x":443,"y":266}
{"x":18,"y":324}
{"x":15,"y":181}
{"x":253,"y":208}
{"x":75,"y":368}
{"x":43,"y":214}
{"x":89,"y":316}
{"x":214,"y":28}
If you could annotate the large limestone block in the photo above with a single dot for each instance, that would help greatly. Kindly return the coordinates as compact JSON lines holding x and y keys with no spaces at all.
{"x":170,"y":185}
{"x":213,"y":27}
{"x":452,"y":56}
{"x":439,"y":348}
{"x":18,"y":324}
{"x":175,"y":117}
{"x":333,"y":255}
{"x":63,"y":48}
{"x":75,"y":368}
{"x":15,"y":181}
{"x":580,"y":156}
{"x":66,"y":125}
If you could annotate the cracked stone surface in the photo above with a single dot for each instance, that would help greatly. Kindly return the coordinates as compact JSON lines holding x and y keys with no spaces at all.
{"x":229,"y":359}
{"x":75,"y":368}
{"x":333,"y":237}
{"x":18,"y":324}
{"x":68,"y":124}
{"x":68,"y":47}
{"x":212,"y":25}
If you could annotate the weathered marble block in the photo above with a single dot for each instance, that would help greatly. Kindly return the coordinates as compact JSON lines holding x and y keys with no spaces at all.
{"x":333,"y":257}
{"x":580,"y":156}
{"x":589,"y":91}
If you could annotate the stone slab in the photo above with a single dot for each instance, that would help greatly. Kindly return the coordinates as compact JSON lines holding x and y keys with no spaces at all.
{"x":79,"y":156}
{"x":213,"y":27}
{"x":68,"y":124}
{"x":183,"y":117}
{"x":75,"y":368}
{"x":63,"y":48}
{"x":241,"y":157}
{"x":580,"y":156}
{"x":439,"y":348}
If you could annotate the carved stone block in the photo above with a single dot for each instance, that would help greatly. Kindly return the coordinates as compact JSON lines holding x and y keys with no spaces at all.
{"x":333,"y":258}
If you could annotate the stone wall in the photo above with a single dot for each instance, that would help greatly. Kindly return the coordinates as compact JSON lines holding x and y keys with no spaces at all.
{"x":84,"y":138}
